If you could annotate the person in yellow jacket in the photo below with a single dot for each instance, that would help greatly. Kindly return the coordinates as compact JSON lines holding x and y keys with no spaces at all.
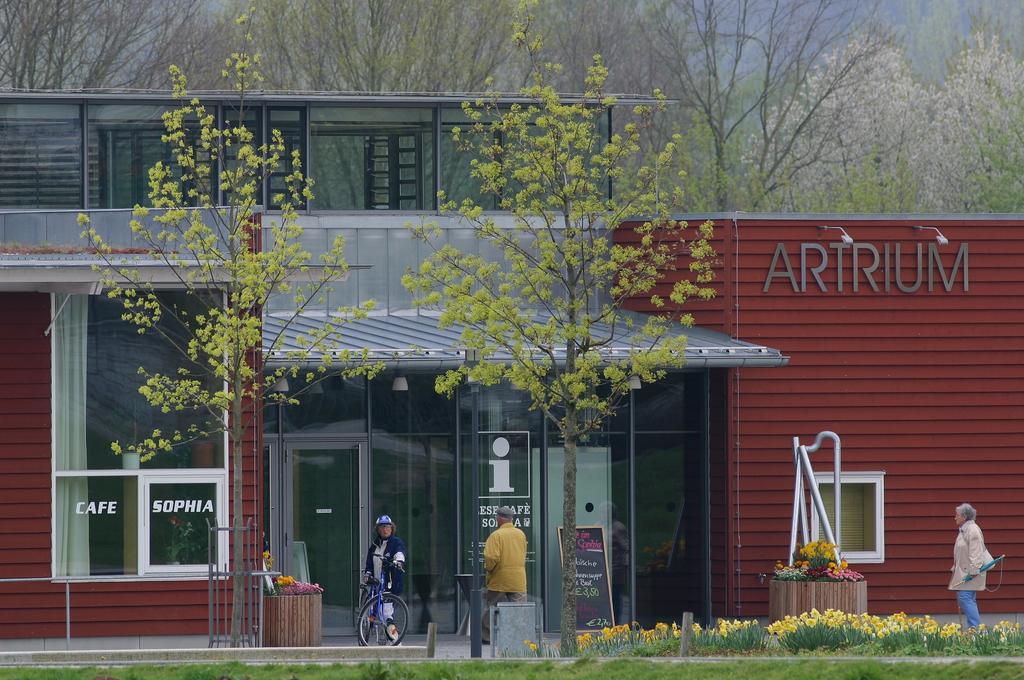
{"x":505,"y":564}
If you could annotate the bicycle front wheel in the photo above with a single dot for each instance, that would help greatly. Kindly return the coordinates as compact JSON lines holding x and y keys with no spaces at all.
{"x":374,"y":618}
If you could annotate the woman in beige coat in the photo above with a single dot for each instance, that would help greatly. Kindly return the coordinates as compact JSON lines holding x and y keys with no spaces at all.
{"x":969,"y":554}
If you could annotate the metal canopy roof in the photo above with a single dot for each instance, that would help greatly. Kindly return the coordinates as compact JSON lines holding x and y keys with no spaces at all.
{"x":416,"y":341}
{"x":78,"y":273}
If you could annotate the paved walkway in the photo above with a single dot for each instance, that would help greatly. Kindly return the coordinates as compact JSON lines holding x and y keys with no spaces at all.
{"x":333,"y":650}
{"x":449,"y":646}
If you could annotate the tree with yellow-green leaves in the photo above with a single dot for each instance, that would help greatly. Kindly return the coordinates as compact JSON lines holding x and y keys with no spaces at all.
{"x":228,"y":263}
{"x":549,"y":317}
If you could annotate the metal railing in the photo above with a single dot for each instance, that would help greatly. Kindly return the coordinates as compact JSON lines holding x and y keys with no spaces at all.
{"x":68,"y":581}
{"x":221,"y":587}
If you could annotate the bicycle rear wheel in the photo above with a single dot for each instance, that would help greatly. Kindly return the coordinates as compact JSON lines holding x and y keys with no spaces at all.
{"x":371,"y":624}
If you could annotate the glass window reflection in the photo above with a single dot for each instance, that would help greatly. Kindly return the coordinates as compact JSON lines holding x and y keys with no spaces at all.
{"x":372,"y":159}
{"x":291,"y":123}
{"x":331,"y":405}
{"x":124,"y":143}
{"x":98,"y":399}
{"x":413,"y":472}
{"x":40,"y":156}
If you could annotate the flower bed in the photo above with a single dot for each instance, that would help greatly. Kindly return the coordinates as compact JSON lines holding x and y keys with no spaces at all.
{"x":898,"y":634}
{"x":811,"y":632}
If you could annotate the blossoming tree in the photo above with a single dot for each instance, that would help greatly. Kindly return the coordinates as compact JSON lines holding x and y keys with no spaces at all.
{"x":229,"y":265}
{"x":549,"y":318}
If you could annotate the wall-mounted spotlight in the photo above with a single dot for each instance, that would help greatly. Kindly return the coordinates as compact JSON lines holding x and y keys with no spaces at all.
{"x":847,"y":239}
{"x":938,"y":234}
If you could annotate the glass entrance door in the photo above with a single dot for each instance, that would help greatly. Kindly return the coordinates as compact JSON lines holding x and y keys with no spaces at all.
{"x":327,"y":537}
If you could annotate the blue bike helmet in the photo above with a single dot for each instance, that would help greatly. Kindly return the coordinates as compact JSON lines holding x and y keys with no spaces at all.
{"x":384,"y":519}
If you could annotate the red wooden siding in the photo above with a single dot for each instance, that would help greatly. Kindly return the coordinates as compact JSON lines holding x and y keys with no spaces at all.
{"x":927,"y":387}
{"x":36,"y":610}
{"x":719,"y":504}
{"x":24,"y":435}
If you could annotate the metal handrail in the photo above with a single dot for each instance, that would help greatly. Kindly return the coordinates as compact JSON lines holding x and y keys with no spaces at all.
{"x":68,"y":580}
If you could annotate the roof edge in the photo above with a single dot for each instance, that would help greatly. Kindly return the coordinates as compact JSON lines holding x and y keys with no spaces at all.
{"x":846,"y":217}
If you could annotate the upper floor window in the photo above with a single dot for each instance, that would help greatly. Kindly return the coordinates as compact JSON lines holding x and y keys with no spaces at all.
{"x":291,"y":123}
{"x":124,"y":143}
{"x":252,"y":119}
{"x":457,"y":180}
{"x":40,"y":156}
{"x":372,"y":159}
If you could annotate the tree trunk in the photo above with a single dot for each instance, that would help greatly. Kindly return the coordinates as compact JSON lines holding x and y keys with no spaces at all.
{"x":568,"y":636}
{"x":721,"y":178}
{"x":236,"y":544}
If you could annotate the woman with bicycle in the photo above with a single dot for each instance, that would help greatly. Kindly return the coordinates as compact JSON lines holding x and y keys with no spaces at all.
{"x":385,"y":562}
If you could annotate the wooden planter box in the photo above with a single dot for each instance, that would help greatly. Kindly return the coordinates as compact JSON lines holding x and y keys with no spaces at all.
{"x":292,"y":620}
{"x":792,"y":598}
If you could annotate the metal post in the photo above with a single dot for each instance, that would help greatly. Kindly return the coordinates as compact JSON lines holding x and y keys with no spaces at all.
{"x":816,"y":499}
{"x":67,"y":614}
{"x":797,"y":501}
{"x":475,"y":600}
{"x":837,"y":485}
{"x":632,"y":505}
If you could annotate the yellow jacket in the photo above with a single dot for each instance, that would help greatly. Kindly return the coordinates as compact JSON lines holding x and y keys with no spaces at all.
{"x":505,"y":560}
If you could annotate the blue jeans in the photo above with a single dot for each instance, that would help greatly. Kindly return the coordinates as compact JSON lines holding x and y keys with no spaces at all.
{"x":968,"y":601}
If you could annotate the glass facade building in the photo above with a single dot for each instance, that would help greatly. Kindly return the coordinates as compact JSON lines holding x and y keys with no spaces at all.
{"x":358,"y":449}
{"x":353,"y":449}
{"x":363,"y":153}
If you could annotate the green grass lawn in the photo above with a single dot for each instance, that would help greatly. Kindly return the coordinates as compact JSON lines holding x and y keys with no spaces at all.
{"x":587,"y":669}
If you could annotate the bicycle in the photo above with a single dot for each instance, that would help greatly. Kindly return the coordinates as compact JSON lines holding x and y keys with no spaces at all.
{"x":378,"y":608}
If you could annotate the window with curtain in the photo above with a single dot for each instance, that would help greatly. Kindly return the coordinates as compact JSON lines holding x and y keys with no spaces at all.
{"x":100,"y":496}
{"x":863,"y":522}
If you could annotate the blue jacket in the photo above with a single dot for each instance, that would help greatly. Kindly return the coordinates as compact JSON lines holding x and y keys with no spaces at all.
{"x":393,"y":579}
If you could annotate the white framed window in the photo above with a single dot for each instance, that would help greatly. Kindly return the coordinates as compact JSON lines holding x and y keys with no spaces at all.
{"x":105,"y":521}
{"x":114,"y":523}
{"x":175,"y":534}
{"x":863,"y":530}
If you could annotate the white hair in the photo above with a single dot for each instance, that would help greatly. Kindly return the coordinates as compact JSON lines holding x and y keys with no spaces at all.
{"x":966,"y":510}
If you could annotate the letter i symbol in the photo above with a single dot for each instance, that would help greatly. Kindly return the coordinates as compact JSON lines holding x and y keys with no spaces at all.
{"x":500,"y":468}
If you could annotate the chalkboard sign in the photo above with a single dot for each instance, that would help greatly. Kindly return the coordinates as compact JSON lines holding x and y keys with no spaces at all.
{"x":593,"y":588}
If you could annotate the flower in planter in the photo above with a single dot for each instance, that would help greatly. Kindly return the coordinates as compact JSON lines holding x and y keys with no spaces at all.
{"x":287,"y":585}
{"x":816,"y":562}
{"x":182,"y":543}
